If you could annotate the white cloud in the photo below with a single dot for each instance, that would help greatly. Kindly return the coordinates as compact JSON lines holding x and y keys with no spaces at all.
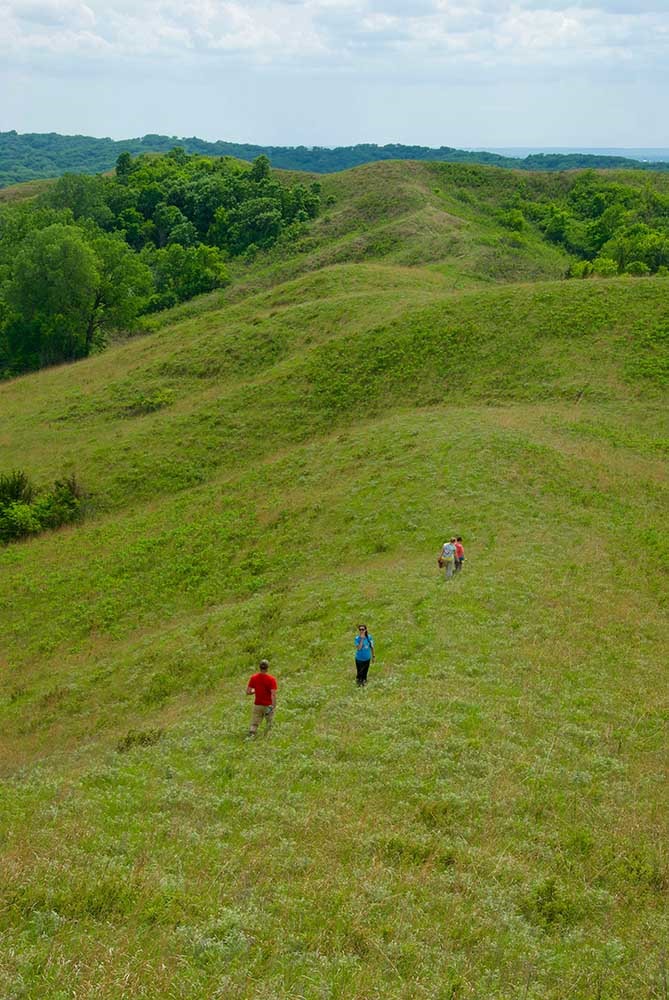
{"x":312,"y":30}
{"x":53,"y":14}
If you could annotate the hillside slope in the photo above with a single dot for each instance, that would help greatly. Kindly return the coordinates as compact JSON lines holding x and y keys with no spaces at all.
{"x":487,"y":818}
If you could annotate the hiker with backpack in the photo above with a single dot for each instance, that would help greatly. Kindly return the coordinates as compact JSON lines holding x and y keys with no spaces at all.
{"x":446,"y":558}
{"x":364,"y":655}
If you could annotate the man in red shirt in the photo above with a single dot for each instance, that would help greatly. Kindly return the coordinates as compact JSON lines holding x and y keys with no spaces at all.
{"x":263,"y":686}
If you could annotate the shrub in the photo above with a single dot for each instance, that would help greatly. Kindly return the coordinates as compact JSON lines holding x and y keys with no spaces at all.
{"x":604,"y":267}
{"x":15,"y":486}
{"x":581,"y":269}
{"x":24,"y":511}
{"x":61,"y":505}
{"x":637,"y":269}
{"x":17,"y":520}
{"x":513,"y":219}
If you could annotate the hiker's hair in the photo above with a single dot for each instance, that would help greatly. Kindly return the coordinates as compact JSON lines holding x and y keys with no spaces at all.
{"x":264,"y":664}
{"x":459,"y":538}
{"x":365,"y":628}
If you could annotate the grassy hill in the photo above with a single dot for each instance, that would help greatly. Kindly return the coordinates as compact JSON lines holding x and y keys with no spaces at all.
{"x":266,"y":468}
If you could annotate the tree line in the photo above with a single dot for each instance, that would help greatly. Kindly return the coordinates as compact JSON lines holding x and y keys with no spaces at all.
{"x":93,"y":253}
{"x":609,"y":227}
{"x":32,"y":156}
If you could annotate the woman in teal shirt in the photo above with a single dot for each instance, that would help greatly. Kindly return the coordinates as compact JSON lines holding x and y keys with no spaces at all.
{"x":364,"y":654}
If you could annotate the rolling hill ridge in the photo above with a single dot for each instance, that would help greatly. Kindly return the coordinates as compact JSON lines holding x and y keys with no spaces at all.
{"x":267,"y":466}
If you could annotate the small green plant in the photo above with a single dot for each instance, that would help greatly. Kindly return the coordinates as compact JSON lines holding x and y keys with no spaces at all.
{"x":549,"y":905}
{"x":147,"y":402}
{"x":139,"y":738}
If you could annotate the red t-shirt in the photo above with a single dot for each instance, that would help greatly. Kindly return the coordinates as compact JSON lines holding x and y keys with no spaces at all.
{"x":459,"y":550}
{"x":263,"y":685}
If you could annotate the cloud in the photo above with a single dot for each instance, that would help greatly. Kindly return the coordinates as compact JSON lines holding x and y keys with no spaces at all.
{"x":53,"y":14}
{"x":406,"y":36}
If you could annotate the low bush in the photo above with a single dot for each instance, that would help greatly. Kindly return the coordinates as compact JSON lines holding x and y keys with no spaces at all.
{"x":24,"y":510}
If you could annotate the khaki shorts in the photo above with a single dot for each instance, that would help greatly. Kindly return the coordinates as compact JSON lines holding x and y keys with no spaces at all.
{"x":259,"y":713}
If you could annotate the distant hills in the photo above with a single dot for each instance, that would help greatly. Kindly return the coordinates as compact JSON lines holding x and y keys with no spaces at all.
{"x":31,"y":156}
{"x":647,"y":154}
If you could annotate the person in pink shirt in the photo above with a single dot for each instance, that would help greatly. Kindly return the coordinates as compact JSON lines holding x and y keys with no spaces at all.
{"x":459,"y":554}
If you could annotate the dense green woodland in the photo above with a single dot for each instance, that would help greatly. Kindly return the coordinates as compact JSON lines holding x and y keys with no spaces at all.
{"x":609,"y":226}
{"x":93,"y":253}
{"x":25,"y":157}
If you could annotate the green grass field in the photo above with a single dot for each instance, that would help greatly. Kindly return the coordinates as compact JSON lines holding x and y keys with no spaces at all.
{"x":266,"y":467}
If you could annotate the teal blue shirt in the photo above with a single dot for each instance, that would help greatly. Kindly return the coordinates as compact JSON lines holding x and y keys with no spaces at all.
{"x":363,"y":647}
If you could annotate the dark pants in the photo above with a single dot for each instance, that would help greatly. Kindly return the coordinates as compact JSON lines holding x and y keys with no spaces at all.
{"x":361,"y":668}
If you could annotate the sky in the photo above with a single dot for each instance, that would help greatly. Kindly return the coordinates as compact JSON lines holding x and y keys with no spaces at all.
{"x":465,"y":73}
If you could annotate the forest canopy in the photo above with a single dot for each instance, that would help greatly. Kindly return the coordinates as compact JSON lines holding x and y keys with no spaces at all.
{"x":30,"y":156}
{"x":610,"y":227}
{"x":93,"y":253}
